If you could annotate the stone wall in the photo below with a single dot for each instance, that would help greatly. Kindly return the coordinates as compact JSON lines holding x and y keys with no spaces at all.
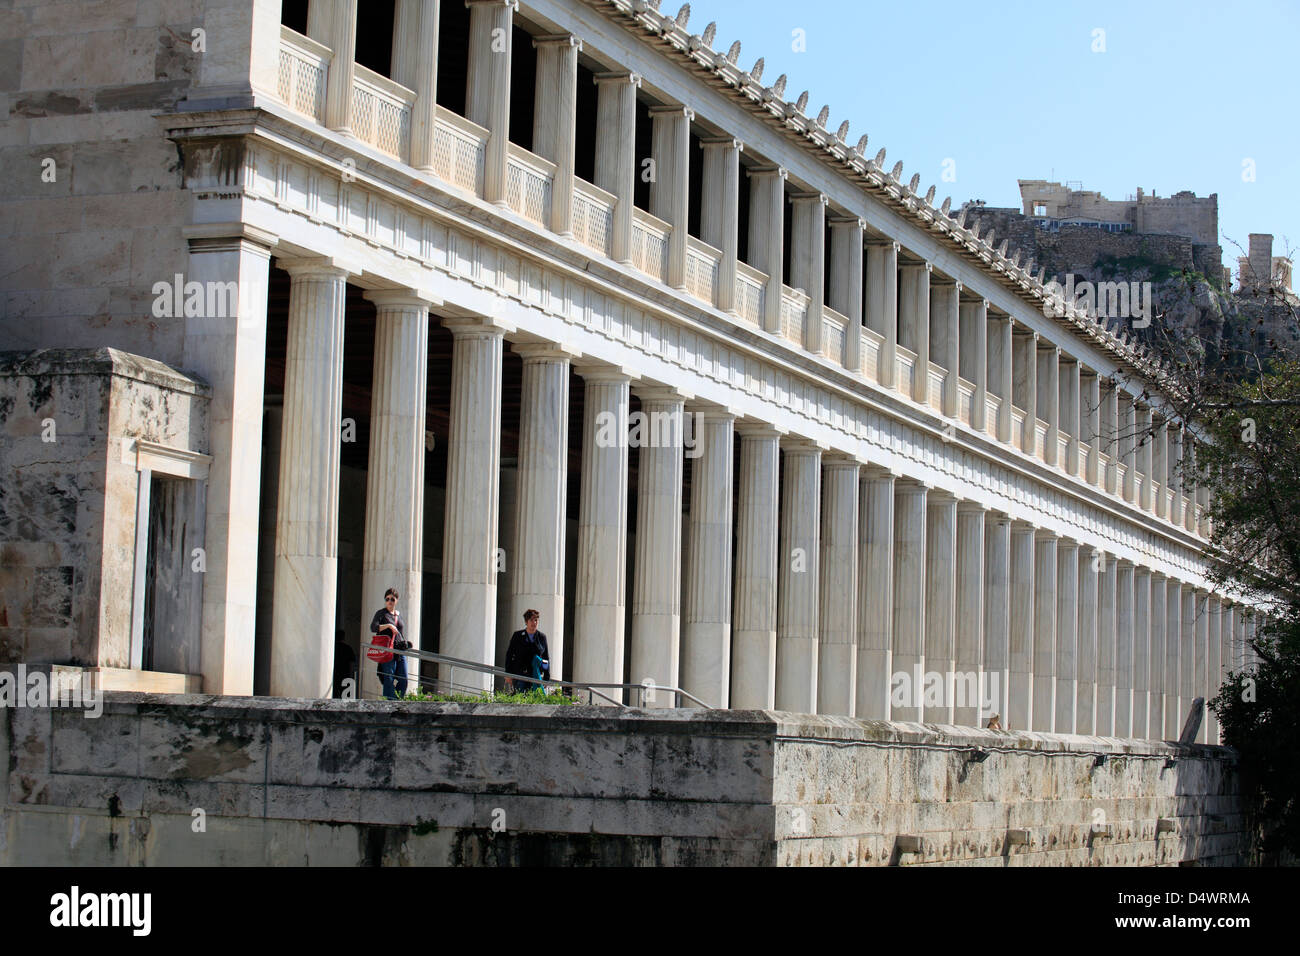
{"x":68,"y":497}
{"x":337,"y":782}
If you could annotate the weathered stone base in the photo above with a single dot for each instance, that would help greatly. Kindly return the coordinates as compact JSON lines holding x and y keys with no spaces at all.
{"x":347,"y":783}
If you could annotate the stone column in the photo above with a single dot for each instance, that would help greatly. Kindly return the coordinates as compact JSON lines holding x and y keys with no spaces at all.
{"x":753,"y":668}
{"x":1067,"y":635}
{"x":230,"y":354}
{"x":1128,"y":428}
{"x":997,"y":620}
{"x":1108,"y":432}
{"x":1156,"y":660}
{"x":1020,"y":680}
{"x":307,"y":513}
{"x":1090,"y":415}
{"x":875,"y":593}
{"x":808,"y":260}
{"x":909,"y":598}
{"x":1176,"y":475}
{"x":1215,"y":611}
{"x":846,"y":283}
{"x":1000,"y":370}
{"x":1049,"y":396}
{"x":767,"y":235}
{"x":720,"y":210}
{"x":469,"y":541}
{"x":1025,"y":389}
{"x":974,"y":362}
{"x":706,"y":631}
{"x":615,"y":168}
{"x":838,"y":573}
{"x":1107,"y":645}
{"x":1141,"y":723}
{"x":600,"y":592}
{"x":1124,"y":650}
{"x":541,"y":494}
{"x":1160,"y":465}
{"x":1187,"y":653}
{"x":945,"y":314}
{"x":799,"y":597}
{"x":394,"y":535}
{"x":1085,"y":707}
{"x":1043,"y":714}
{"x":1145,"y":442}
{"x":487,"y":86}
{"x":940,"y":596}
{"x":969,"y":618}
{"x":1069,"y":413}
{"x":882,"y":305}
{"x":657,"y":585}
{"x":914,"y":323}
{"x":342,"y":40}
{"x":1173,"y":724}
{"x":670,"y":189}
{"x":421,"y":20}
{"x":555,"y":120}
{"x":1200,"y":664}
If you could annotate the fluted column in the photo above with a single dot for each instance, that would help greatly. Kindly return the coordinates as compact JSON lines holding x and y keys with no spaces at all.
{"x":1108,"y":429}
{"x":914,"y":323}
{"x":1091,"y":410}
{"x":1020,"y":679}
{"x":1043,"y":716}
{"x":469,"y":542}
{"x":1069,"y":413}
{"x":799,"y":595}
{"x":1125,"y":632}
{"x":1200,"y":663}
{"x":1156,"y":659}
{"x":909,"y":598}
{"x":753,"y":666}
{"x":600,"y":592}
{"x":1085,"y":706}
{"x":1145,"y":443}
{"x":720,"y":210}
{"x":808,"y":260}
{"x":307,"y":515}
{"x":1128,"y":442}
{"x":974,"y":362}
{"x":767,"y":235}
{"x":342,"y":40}
{"x":420,"y":22}
{"x":1025,"y":390}
{"x":541,"y":493}
{"x":1049,"y":398}
{"x":1176,"y":474}
{"x":615,"y":168}
{"x":706,"y":605}
{"x":670,"y":188}
{"x":882,"y":305}
{"x":941,"y":597}
{"x":394,"y":536}
{"x":657,"y":582}
{"x":1173,"y":656}
{"x":875,"y":593}
{"x":1000,"y":350}
{"x":846,"y":283}
{"x":837,"y":656}
{"x":1107,"y":645}
{"x":945,"y":316}
{"x":1215,"y":611}
{"x":1141,"y":723}
{"x":1187,"y":653}
{"x":487,"y":87}
{"x":968,"y":710}
{"x":996,"y":653}
{"x":555,"y":120}
{"x":1067,"y":635}
{"x":1160,"y":466}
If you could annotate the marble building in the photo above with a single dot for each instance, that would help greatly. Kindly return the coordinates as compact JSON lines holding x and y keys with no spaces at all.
{"x":412,"y":266}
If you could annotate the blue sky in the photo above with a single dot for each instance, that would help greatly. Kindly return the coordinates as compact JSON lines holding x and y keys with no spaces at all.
{"x":1182,"y":96}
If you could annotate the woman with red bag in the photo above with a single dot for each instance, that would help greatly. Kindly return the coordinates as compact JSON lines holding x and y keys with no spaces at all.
{"x":390,"y":629}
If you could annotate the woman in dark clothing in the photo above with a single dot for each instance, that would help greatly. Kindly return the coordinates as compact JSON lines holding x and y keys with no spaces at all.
{"x":391,"y":671}
{"x":528,"y":655}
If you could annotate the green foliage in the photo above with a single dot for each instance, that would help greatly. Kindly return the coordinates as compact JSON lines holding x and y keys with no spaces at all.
{"x":1260,"y":714}
{"x":534,"y":696}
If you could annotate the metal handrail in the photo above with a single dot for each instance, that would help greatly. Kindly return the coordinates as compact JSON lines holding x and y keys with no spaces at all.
{"x":592,"y":689}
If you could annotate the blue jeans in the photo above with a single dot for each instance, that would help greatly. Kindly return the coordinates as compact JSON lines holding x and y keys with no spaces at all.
{"x":396,"y":668}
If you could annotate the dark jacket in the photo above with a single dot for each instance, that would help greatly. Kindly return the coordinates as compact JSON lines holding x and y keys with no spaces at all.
{"x":519,"y":656}
{"x":384,"y":616}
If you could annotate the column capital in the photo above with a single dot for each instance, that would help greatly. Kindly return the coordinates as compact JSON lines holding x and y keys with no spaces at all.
{"x":942,"y":496}
{"x":966,"y":506}
{"x":1023,"y":526}
{"x":324,"y":266}
{"x":712,"y":411}
{"x":624,"y":76}
{"x":756,"y":429}
{"x":898,"y":246}
{"x":1122,"y":563}
{"x":400,"y":298}
{"x":558,"y":39}
{"x":911,"y":486}
{"x":839,"y":459}
{"x":730,"y":142}
{"x":476,"y":325}
{"x":1043,"y":534}
{"x":878,"y":472}
{"x":815,"y":197}
{"x":593,"y":371}
{"x":490,"y":3}
{"x":840,"y":220}
{"x":799,"y":445}
{"x":227,"y":236}
{"x":755,"y":172}
{"x":672,"y":111}
{"x":662,"y":394}
{"x":925,"y":264}
{"x":545,"y":351}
